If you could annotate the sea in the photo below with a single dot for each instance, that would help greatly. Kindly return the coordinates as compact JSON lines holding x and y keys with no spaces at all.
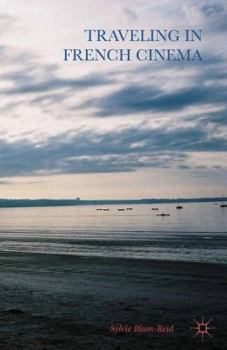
{"x":198,"y":232}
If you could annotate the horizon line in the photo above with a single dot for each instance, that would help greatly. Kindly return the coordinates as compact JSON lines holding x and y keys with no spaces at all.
{"x":47,"y":202}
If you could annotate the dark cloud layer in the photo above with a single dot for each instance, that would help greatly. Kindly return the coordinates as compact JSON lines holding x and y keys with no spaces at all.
{"x":206,"y":88}
{"x":48,"y":85}
{"x":140,"y":99}
{"x":215,"y":15}
{"x":125,"y":150}
{"x":26,"y":77}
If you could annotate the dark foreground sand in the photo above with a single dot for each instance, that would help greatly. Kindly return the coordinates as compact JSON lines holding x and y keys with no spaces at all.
{"x":62,"y":302}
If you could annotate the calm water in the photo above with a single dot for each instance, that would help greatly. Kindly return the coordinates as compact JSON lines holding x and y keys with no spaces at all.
{"x":196,"y":233}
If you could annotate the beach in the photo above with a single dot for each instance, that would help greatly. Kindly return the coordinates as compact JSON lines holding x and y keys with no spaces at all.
{"x":53,"y":302}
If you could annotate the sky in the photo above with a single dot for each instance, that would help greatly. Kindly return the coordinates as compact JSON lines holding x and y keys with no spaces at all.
{"x":110,"y":129}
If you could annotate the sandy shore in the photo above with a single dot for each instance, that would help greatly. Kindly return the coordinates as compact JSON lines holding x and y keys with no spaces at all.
{"x":51,"y":302}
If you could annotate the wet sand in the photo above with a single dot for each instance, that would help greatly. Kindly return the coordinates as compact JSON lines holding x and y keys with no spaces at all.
{"x":51,"y":302}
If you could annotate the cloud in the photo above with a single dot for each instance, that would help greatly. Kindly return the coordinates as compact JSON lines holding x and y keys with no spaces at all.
{"x":27,"y":82}
{"x":216,"y":118}
{"x":131,"y":14}
{"x":117,"y":151}
{"x":142,"y":99}
{"x":7,"y":23}
{"x":213,"y":14}
{"x":210,"y":9}
{"x":5,"y":182}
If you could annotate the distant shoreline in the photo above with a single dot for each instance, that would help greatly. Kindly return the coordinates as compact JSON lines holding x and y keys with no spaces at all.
{"x":23,"y":203}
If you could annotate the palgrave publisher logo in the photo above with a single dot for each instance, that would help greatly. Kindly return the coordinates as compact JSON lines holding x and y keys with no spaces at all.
{"x":202,"y":328}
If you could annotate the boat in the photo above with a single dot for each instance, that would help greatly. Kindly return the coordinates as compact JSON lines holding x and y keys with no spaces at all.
{"x":99,"y":209}
{"x":121,"y":209}
{"x":129,"y":208}
{"x":106,"y":209}
{"x":163,"y":214}
{"x":154,"y":208}
{"x":223,"y":204}
{"x":178,"y":205}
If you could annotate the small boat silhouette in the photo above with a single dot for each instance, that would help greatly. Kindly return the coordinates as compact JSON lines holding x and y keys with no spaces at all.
{"x":121,"y":209}
{"x":155,"y":209}
{"x":129,"y":208}
{"x":163,"y":214}
{"x":223,"y":204}
{"x":178,"y":205}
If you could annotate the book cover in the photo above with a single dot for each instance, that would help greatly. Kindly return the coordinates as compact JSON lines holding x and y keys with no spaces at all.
{"x":113,"y":179}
